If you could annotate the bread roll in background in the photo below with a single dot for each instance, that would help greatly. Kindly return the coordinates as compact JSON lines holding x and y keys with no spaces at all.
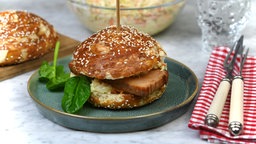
{"x":24,"y":36}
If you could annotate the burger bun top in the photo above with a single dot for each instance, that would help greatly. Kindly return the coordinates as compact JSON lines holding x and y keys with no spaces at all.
{"x":114,"y":53}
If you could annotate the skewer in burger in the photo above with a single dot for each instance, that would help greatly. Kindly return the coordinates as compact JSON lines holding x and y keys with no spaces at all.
{"x":126,"y":66}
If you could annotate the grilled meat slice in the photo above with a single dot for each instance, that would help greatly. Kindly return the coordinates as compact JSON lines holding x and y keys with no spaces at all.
{"x":143,"y":84}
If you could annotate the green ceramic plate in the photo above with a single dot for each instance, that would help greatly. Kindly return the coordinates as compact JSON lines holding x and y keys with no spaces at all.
{"x":181,"y":90}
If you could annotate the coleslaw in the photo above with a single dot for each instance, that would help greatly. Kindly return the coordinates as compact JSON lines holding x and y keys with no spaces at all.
{"x":148,"y":16}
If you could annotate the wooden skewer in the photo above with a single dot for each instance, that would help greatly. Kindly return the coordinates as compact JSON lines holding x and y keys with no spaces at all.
{"x":118,"y":14}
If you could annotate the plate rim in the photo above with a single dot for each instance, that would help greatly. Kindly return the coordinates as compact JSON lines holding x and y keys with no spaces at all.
{"x":187,"y":101}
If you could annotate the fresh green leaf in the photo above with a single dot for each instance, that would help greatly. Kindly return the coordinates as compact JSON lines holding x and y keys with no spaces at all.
{"x":76,"y":93}
{"x":55,"y":57}
{"x":58,"y":82}
{"x":76,"y":89}
{"x":46,"y":72}
{"x":54,"y":75}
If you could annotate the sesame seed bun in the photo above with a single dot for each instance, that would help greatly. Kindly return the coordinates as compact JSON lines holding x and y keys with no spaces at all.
{"x":24,"y":36}
{"x":126,"y":66}
{"x":112,"y":54}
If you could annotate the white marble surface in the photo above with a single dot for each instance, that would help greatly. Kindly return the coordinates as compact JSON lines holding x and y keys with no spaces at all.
{"x":20,"y":121}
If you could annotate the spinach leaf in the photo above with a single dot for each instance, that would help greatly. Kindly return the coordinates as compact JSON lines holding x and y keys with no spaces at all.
{"x":58,"y":82}
{"x":54,"y":75}
{"x":76,"y":92}
{"x":46,"y":72}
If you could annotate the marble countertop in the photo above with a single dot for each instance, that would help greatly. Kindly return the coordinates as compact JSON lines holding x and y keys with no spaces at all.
{"x":20,"y":121}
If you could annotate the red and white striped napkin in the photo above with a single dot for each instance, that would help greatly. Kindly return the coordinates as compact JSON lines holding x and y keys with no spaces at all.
{"x":213,"y":76}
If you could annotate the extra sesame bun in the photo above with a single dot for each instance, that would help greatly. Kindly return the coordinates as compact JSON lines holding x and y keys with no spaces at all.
{"x":24,"y":36}
{"x":112,"y":54}
{"x":126,"y":66}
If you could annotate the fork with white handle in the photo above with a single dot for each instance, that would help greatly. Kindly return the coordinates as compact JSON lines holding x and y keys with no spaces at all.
{"x":214,"y":113}
{"x":236,"y":102}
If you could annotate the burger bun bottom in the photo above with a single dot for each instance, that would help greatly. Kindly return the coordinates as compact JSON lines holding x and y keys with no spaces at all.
{"x":104,"y":95}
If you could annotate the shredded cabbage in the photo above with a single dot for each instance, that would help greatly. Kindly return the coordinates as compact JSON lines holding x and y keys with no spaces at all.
{"x":151,"y":21}
{"x":127,"y":3}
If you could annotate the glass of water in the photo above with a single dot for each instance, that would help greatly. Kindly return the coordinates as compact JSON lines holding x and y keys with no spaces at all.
{"x":221,"y":21}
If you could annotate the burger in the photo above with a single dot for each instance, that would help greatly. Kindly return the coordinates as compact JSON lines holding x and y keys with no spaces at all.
{"x":126,"y":67}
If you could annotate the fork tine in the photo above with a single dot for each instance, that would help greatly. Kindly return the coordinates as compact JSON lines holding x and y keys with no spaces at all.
{"x":238,"y":46}
{"x":229,"y":53}
{"x":244,"y":56}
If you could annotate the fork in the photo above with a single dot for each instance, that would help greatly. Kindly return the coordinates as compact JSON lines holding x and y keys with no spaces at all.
{"x":217,"y":105}
{"x":236,"y":102}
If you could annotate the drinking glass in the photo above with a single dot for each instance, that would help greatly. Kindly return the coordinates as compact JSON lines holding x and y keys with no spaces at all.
{"x":221,"y":21}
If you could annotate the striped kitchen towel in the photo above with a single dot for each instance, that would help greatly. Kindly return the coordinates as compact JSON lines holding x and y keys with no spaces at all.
{"x":213,"y":76}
